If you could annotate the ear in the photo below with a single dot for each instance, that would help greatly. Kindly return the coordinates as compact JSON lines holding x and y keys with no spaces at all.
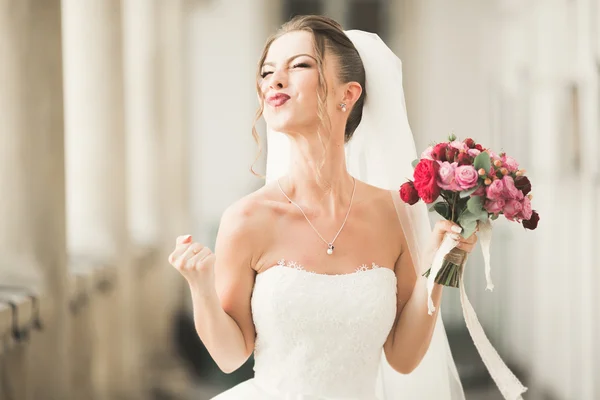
{"x":352,"y":93}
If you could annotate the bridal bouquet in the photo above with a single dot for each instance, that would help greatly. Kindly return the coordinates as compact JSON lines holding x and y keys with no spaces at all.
{"x":469,"y":184}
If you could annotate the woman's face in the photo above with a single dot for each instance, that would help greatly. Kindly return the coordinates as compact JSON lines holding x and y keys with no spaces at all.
{"x":290,"y":80}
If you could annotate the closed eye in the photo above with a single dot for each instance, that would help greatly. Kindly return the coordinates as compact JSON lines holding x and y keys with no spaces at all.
{"x":299,"y":65}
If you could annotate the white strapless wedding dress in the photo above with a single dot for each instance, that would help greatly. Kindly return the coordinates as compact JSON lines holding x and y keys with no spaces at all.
{"x":318,"y":336}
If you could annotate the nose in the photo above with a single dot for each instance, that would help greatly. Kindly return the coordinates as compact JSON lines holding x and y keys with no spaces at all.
{"x":278,"y":80}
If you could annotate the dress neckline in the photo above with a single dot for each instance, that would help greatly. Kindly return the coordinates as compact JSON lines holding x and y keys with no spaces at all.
{"x":298,"y":267}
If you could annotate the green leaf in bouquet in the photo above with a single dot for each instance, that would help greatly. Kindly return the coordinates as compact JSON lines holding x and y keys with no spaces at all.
{"x":466,"y":216}
{"x":483,"y":161}
{"x":443,"y":209}
{"x":468,"y":221}
{"x":452,"y":137}
{"x":415,"y":162}
{"x":469,"y":226}
{"x":475,"y":205}
{"x":494,"y":217}
{"x":467,"y":193}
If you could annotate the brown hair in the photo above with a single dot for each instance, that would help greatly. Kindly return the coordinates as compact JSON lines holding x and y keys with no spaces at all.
{"x":328,"y":37}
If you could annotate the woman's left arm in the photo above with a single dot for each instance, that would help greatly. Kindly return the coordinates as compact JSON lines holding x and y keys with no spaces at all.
{"x":411,"y":335}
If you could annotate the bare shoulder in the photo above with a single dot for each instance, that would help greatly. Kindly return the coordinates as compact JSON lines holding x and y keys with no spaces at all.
{"x":380,"y":202}
{"x":376,"y":208}
{"x":245,"y":220}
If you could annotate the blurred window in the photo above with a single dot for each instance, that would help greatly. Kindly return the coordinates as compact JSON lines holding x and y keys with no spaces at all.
{"x":291,"y":8}
{"x":368,"y":15}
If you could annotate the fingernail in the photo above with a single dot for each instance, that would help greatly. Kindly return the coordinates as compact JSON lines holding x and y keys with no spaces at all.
{"x":187,"y":237}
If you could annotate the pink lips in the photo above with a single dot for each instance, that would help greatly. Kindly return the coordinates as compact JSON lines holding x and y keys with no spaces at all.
{"x":278,"y":99}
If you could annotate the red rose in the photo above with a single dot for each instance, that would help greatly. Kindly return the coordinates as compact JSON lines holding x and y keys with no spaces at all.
{"x":522,"y":183}
{"x":439,"y":152}
{"x":470,"y":143}
{"x":532,"y":222}
{"x":479,"y":147}
{"x":408,"y":193}
{"x":425,"y":175}
{"x":451,"y":153}
{"x":464,"y":159}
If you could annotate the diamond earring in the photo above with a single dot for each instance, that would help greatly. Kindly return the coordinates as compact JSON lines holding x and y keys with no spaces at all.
{"x":343,"y":105}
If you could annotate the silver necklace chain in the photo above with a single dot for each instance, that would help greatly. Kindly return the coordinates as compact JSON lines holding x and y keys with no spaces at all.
{"x":329,"y":244}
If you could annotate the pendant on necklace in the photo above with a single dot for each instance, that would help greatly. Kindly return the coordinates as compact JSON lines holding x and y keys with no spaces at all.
{"x":330,"y":249}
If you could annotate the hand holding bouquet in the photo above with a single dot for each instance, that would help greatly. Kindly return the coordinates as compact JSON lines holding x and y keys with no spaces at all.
{"x":467,"y":184}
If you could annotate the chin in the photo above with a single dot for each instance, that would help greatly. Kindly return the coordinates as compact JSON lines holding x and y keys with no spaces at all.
{"x":281,"y":123}
{"x":286,"y":124}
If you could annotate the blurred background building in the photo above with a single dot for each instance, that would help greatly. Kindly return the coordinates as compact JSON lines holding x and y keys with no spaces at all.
{"x":125,"y":123}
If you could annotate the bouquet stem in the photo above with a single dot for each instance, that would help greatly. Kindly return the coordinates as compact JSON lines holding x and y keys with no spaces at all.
{"x":452,"y":268}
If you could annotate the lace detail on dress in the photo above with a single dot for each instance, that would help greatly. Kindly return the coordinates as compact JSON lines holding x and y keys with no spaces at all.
{"x":294,"y":265}
{"x":321,"y":334}
{"x":364,"y":267}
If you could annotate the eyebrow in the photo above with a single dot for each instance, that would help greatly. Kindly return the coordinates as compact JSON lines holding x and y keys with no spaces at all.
{"x":289,"y":59}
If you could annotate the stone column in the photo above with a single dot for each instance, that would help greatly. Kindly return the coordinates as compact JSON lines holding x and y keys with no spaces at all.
{"x":218,"y":94}
{"x":32,"y":210}
{"x":553,"y":328}
{"x":96,"y":176}
{"x":587,"y":76}
{"x":168,"y":374}
{"x":144,"y":151}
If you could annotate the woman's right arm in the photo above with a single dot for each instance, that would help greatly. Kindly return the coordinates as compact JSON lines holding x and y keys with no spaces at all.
{"x":222,"y":313}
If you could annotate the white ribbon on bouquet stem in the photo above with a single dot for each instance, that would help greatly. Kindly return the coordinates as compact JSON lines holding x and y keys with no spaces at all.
{"x":508,"y":384}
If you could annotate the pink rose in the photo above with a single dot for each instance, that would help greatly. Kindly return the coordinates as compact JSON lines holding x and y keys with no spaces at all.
{"x":427,"y":153}
{"x":446,"y":176}
{"x":466,"y":176}
{"x":512,"y":209}
{"x":510,"y":163}
{"x":493,"y":155}
{"x":457,"y":144}
{"x":496,"y":190}
{"x":473,"y":152}
{"x":526,"y":211}
{"x":510,"y":190}
{"x":479,"y":192}
{"x":494,"y":206}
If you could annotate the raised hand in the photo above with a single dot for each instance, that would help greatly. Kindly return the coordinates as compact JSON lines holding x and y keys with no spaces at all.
{"x":194,"y":261}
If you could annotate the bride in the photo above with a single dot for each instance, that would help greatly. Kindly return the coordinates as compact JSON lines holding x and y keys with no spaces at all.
{"x":318,"y":273}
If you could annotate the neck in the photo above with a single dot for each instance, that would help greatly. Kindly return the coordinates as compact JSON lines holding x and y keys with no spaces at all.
{"x":318,"y":179}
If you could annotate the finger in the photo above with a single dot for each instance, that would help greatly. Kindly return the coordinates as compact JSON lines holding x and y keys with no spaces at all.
{"x":195,"y":261}
{"x":183,"y":239}
{"x":447,"y":226}
{"x":466,"y":247}
{"x":191,"y":250}
{"x":472,"y":239}
{"x":179,"y":250}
